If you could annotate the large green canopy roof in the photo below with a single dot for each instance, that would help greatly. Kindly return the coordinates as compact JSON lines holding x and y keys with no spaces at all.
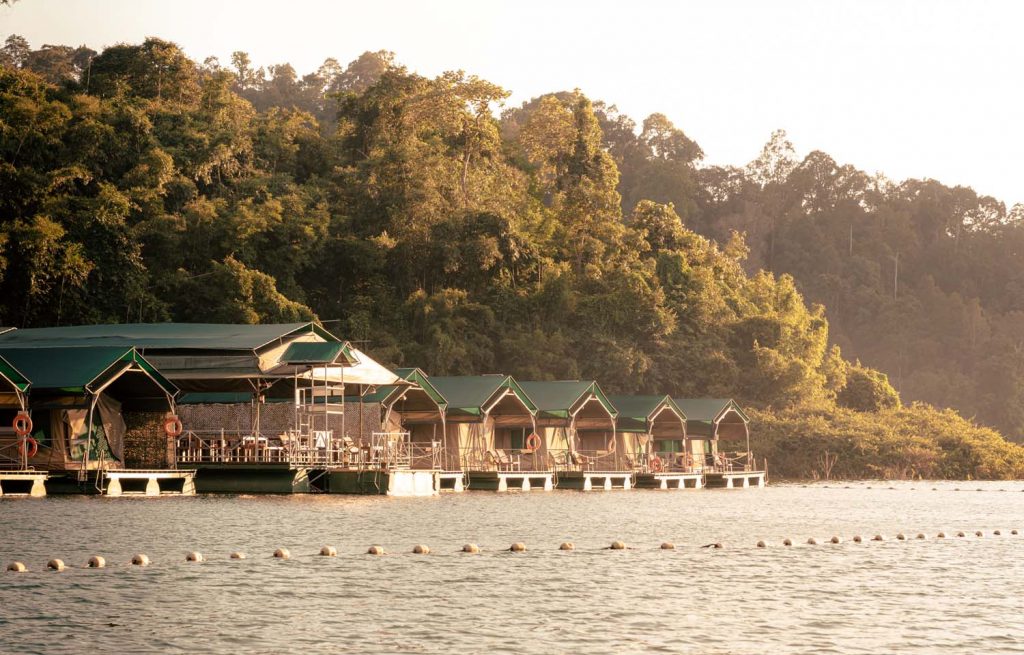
{"x":161,"y":336}
{"x":468,"y":394}
{"x":703,"y":413}
{"x":559,"y":398}
{"x":78,"y":369}
{"x":636,"y":411}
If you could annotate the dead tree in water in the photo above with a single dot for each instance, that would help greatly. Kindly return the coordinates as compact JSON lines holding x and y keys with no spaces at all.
{"x":826,"y":462}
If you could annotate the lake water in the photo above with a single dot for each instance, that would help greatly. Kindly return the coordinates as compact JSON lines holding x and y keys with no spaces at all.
{"x":961,"y":595}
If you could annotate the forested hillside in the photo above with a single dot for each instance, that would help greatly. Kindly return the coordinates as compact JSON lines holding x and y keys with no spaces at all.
{"x":442,"y":229}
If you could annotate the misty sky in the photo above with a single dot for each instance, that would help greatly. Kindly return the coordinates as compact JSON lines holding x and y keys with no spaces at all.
{"x":911,"y":89}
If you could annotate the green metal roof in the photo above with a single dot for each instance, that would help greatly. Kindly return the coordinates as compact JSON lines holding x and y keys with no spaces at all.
{"x":703,"y":413}
{"x":13,"y":376}
{"x":161,"y":336}
{"x":558,"y":398}
{"x":468,"y":394}
{"x":79,"y":370}
{"x":318,"y":353}
{"x":382,"y":394}
{"x":636,"y":411}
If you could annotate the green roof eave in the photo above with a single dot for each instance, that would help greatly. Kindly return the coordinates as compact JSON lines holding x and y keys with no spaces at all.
{"x":318,"y":353}
{"x":13,"y":376}
{"x":469,"y":394}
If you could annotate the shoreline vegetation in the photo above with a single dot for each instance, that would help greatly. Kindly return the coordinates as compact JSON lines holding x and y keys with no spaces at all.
{"x":555,"y":240}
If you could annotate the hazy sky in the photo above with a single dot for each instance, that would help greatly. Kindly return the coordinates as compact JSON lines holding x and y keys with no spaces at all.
{"x":912,"y":89}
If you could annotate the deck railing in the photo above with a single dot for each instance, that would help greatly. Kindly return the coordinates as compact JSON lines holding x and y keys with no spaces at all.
{"x":11,"y":455}
{"x":386,"y":450}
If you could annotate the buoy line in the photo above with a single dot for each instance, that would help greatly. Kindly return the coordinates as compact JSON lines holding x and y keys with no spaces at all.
{"x":143,"y":560}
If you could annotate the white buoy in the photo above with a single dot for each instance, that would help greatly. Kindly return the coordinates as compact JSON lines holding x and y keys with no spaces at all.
{"x":567,"y":545}
{"x":237,"y":555}
{"x":17,"y":567}
{"x":195,"y":556}
{"x":518,"y":547}
{"x":668,"y":545}
{"x":97,"y":562}
{"x":617,"y":545}
{"x":328,"y":551}
{"x":471,"y":548}
{"x":421,"y":549}
{"x":375,"y":550}
{"x":140,"y":560}
{"x":282,"y":553}
{"x":55,"y":565}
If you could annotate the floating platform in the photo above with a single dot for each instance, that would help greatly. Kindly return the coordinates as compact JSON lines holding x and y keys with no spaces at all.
{"x":511,"y":480}
{"x":23,"y":483}
{"x":251,"y":479}
{"x":452,"y":481}
{"x":591,"y":480}
{"x":396,"y":482}
{"x":155,"y":482}
{"x":670,"y":480}
{"x":736,"y":479}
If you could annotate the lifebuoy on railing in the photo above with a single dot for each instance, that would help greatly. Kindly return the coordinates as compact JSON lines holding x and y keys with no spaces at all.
{"x":657,"y":465}
{"x":173,"y":426}
{"x":28,"y":447}
{"x":533,"y":442}
{"x":22,"y":424}
{"x":610,"y":447}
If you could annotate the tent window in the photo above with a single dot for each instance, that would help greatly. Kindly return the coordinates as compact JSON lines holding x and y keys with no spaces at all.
{"x":668,"y":446}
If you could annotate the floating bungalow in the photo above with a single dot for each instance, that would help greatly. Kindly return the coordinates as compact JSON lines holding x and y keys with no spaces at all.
{"x":420,"y":410}
{"x":655,"y":429}
{"x":490,"y":427}
{"x":719,"y":436}
{"x":576,"y":435}
{"x":77,"y":403}
{"x":16,"y":444}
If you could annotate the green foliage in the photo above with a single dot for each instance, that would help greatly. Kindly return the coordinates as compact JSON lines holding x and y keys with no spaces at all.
{"x":867,"y":390}
{"x":912,"y":442}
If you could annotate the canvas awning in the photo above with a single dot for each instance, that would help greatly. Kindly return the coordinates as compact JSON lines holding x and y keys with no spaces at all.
{"x":565,"y":399}
{"x":639,"y":413}
{"x":366,"y":372}
{"x":705,"y":415}
{"x":85,"y":371}
{"x":476,"y":395}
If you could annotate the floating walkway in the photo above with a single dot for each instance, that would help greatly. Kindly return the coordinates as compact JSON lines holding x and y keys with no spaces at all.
{"x":670,"y":480}
{"x":511,"y":480}
{"x":178,"y":482}
{"x":591,"y":480}
{"x":735,"y":479}
{"x":23,"y":483}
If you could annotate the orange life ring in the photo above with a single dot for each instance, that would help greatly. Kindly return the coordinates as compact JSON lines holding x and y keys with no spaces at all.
{"x":173,"y":426}
{"x":22,"y":424}
{"x":533,"y":442}
{"x":28,"y":447}
{"x":657,"y":464}
{"x":610,"y":447}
